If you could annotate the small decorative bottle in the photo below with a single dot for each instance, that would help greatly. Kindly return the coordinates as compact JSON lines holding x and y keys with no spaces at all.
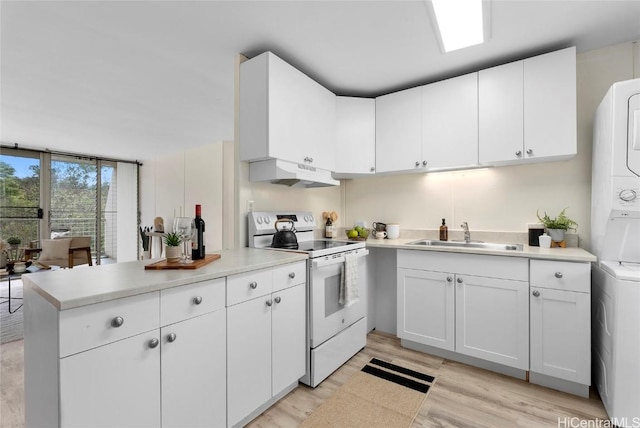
{"x":444,"y":232}
{"x":329,"y":228}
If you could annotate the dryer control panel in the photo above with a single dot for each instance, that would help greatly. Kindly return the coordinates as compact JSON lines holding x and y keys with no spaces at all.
{"x":626,"y":197}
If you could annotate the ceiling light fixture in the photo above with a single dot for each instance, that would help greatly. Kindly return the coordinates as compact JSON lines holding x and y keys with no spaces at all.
{"x":460,"y":23}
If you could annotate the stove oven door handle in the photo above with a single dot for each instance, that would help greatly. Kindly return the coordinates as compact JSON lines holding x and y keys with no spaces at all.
{"x":324,"y":262}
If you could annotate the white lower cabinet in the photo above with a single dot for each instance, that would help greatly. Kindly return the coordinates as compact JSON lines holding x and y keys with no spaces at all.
{"x":266,"y":339}
{"x":492,"y":320}
{"x":152,"y":360}
{"x":560,"y":323}
{"x":426,"y":307}
{"x":113,"y":385}
{"x":474,"y":305}
{"x":193,"y":355}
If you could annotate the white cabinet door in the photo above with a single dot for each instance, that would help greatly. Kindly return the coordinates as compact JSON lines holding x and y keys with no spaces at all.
{"x":450,"y":122}
{"x":248,"y":357}
{"x":550,"y":105}
{"x":355,"y":136}
{"x":426,"y":307}
{"x":115,"y":385}
{"x":288,"y":337}
{"x":501,"y":116}
{"x":492,"y":320}
{"x":284,"y":114}
{"x":399,"y":131}
{"x":560,"y":334}
{"x":194,"y":372}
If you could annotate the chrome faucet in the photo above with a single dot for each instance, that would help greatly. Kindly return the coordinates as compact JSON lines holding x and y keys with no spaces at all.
{"x":467,"y":234}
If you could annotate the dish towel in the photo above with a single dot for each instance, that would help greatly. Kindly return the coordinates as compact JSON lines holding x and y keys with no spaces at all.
{"x":349,"y":280}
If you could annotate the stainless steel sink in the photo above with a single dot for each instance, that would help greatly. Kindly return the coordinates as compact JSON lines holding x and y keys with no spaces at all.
{"x":470,"y":244}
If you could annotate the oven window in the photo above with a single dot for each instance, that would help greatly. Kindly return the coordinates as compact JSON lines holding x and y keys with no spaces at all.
{"x":332,"y":295}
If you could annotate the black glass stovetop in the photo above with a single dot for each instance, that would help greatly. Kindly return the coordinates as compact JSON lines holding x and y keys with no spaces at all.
{"x":321,"y":245}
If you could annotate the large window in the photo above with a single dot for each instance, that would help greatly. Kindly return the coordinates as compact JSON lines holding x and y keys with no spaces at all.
{"x":46,"y":196}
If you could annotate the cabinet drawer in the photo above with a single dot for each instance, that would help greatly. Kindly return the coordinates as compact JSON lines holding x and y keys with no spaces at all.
{"x":249,"y":285}
{"x":90,"y":326}
{"x":561,"y":275}
{"x":180,"y":303}
{"x":289,"y":275}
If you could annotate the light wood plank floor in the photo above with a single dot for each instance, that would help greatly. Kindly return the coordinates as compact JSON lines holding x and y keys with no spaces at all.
{"x":463,"y":396}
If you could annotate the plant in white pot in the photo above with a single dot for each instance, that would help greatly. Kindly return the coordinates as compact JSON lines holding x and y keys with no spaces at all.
{"x":557,"y":226}
{"x":173,"y":250}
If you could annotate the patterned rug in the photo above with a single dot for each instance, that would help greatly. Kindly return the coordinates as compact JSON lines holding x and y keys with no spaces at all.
{"x":11,"y":325}
{"x":382,"y":394}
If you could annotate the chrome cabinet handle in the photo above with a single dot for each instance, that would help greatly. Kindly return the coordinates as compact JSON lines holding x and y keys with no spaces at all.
{"x":529,"y":151}
{"x":310,"y":160}
{"x":117,"y":322}
{"x":459,"y":280}
{"x":417,"y":163}
{"x":153,"y":343}
{"x":373,"y":169}
{"x":558,"y":275}
{"x":449,"y":279}
{"x":536,"y":293}
{"x":519,"y":153}
{"x":292,"y":275}
{"x":269,"y":302}
{"x":171,"y":337}
{"x":197,"y":300}
{"x":278,"y":299}
{"x":424,"y":163}
{"x":253,"y":285}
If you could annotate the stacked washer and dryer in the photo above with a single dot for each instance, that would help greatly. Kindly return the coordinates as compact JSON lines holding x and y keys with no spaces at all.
{"x":615,"y":234}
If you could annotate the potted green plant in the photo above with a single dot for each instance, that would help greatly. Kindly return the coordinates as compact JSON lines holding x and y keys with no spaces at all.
{"x":14,"y":241}
{"x":557,"y":226}
{"x":173,"y":251}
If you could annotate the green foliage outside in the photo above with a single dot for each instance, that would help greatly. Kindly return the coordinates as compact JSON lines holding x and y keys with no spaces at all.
{"x":73,"y":199}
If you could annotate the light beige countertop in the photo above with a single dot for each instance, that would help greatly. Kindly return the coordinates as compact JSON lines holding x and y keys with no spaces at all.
{"x":70,"y":288}
{"x":569,"y":254}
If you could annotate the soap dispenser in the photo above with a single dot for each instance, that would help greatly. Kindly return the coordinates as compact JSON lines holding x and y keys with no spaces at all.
{"x":444,"y":231}
{"x":545,"y":241}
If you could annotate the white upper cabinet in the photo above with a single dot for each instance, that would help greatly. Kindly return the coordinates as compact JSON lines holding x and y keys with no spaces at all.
{"x":429,"y":127}
{"x":550,"y":105}
{"x":500,"y":113}
{"x":285,"y":115}
{"x":450,"y":123}
{"x":527,"y":110}
{"x":355,"y":136}
{"x":399,"y":131}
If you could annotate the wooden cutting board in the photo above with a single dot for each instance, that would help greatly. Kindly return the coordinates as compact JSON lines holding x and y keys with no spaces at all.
{"x":164,"y":264}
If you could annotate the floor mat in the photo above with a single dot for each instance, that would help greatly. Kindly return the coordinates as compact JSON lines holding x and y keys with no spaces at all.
{"x":382,"y":394}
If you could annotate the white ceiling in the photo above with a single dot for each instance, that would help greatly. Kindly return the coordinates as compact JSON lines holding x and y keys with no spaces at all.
{"x":129,"y":80}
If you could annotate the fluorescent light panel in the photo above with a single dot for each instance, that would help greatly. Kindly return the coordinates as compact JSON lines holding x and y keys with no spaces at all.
{"x":460,"y":23}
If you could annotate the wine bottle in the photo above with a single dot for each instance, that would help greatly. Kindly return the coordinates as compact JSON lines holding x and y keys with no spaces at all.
{"x":197,"y":247}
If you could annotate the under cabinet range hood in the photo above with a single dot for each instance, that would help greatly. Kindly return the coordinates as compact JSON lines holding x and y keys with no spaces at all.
{"x":290,"y":174}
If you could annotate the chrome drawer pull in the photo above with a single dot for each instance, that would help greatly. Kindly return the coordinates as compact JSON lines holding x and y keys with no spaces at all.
{"x":278,"y":299}
{"x":558,"y":275}
{"x":197,"y":300}
{"x":153,"y":343}
{"x":536,"y":293}
{"x":292,"y":275}
{"x":171,"y":337}
{"x":117,"y":322}
{"x":253,"y":285}
{"x":459,"y":280}
{"x":449,"y":279}
{"x":269,"y":302}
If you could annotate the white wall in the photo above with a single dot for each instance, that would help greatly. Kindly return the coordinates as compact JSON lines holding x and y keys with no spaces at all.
{"x":504,"y":198}
{"x":172,"y":185}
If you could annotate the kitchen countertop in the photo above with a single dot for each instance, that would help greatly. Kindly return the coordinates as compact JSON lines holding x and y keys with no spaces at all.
{"x":569,"y":254}
{"x":70,"y":288}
